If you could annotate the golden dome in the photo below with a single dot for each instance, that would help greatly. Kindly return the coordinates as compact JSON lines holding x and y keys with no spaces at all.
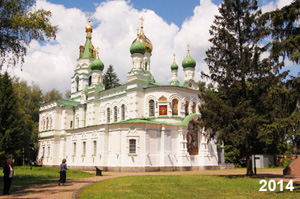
{"x":89,"y":28}
{"x":142,"y":38}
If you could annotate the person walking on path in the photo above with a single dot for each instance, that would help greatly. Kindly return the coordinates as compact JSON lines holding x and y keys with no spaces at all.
{"x":8,"y":172}
{"x":63,"y":172}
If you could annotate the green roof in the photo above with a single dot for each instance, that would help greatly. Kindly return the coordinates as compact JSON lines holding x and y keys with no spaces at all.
{"x":137,"y":47}
{"x":188,"y":62}
{"x":87,"y":45}
{"x":184,"y":122}
{"x":67,"y":102}
{"x":97,"y":64}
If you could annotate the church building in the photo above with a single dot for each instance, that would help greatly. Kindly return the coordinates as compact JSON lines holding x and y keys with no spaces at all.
{"x":138,"y":126}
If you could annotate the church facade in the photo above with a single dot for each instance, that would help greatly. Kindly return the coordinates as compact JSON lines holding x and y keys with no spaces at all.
{"x":139,"y":126}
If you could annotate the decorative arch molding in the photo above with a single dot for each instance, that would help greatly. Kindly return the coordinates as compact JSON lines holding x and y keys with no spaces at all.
{"x":162,"y":99}
{"x":175,"y":96}
{"x":151,"y":97}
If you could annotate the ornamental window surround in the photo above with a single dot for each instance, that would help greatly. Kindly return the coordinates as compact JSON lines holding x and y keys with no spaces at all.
{"x":187,"y":108}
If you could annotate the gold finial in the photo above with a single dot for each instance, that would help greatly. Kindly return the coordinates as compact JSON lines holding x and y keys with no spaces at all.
{"x":142,"y":20}
{"x":89,"y":17}
{"x":188,"y":50}
{"x":174,"y":57}
{"x":97,"y":52}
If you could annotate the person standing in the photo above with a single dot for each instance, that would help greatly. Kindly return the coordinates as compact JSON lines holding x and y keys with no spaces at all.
{"x":8,"y":175}
{"x":63,"y":172}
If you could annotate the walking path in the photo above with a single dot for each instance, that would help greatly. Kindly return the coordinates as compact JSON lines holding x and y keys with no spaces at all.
{"x":73,"y":188}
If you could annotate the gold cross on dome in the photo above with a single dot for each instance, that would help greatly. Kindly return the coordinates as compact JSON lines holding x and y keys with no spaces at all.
{"x":188,"y":50}
{"x":174,"y":57}
{"x":142,"y":20}
{"x":138,"y":31}
{"x":89,"y":17}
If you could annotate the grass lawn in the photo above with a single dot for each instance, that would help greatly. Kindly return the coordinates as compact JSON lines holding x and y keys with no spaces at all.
{"x":184,"y":186}
{"x":24,"y":177}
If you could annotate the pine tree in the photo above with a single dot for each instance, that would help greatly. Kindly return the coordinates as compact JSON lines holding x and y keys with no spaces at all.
{"x":110,"y":78}
{"x":11,"y":125}
{"x":249,"y":88}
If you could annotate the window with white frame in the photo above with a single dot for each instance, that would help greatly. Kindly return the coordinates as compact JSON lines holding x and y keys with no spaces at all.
{"x":132,"y":146}
{"x":74,"y":148}
{"x":95,"y":147}
{"x":115,"y":113}
{"x":151,"y":108}
{"x":83,"y":148}
{"x":123,"y":111}
{"x":108,"y":115}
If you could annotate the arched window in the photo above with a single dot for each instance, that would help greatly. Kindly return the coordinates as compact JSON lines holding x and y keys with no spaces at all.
{"x":90,"y":80}
{"x":115,"y":113}
{"x":77,"y":84}
{"x":194,"y":107}
{"x":74,"y":148}
{"x":174,"y":107}
{"x":151,"y":108}
{"x":146,"y":65}
{"x":47,"y":123}
{"x":108,"y":115}
{"x":187,"y":108}
{"x":123,"y":111}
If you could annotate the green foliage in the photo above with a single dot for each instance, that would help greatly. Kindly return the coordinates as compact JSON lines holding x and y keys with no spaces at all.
{"x":251,"y":102}
{"x":110,"y":78}
{"x":182,"y":186}
{"x":54,"y":94}
{"x":29,"y":99}
{"x":233,"y":155}
{"x":284,"y":29}
{"x":286,"y":162}
{"x":11,"y":124}
{"x":20,"y":23}
{"x":25,"y":177}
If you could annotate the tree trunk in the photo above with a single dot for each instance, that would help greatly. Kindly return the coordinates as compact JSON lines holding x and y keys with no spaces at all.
{"x":249,"y":166}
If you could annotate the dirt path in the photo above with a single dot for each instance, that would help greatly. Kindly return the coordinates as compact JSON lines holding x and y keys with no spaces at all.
{"x":72,"y":187}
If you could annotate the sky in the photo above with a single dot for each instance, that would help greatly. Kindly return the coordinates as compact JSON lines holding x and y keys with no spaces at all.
{"x":169,"y":24}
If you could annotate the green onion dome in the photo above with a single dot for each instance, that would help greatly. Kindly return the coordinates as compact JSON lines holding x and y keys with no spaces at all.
{"x":137,"y":47}
{"x":174,"y":66}
{"x":188,"y":62}
{"x":97,"y":64}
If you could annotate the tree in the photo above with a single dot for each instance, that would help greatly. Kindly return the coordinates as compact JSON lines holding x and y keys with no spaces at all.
{"x":110,"y":78}
{"x":29,"y":99}
{"x":68,"y":94}
{"x":19,"y":25}
{"x":283,"y":27}
{"x":245,"y":107}
{"x":52,"y":95}
{"x":11,"y":125}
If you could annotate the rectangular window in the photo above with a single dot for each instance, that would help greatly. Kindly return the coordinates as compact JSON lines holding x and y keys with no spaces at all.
{"x":71,"y":124}
{"x":43,"y":151}
{"x":48,"y":151}
{"x":74,"y":148}
{"x":132,"y":146}
{"x":95,"y":147}
{"x":83,"y":148}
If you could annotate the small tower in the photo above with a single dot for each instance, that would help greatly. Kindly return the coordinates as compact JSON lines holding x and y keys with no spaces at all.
{"x":96,"y":67}
{"x":148,"y":46}
{"x":189,"y":65}
{"x":88,"y":50}
{"x":137,"y":50}
{"x":174,"y":69}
